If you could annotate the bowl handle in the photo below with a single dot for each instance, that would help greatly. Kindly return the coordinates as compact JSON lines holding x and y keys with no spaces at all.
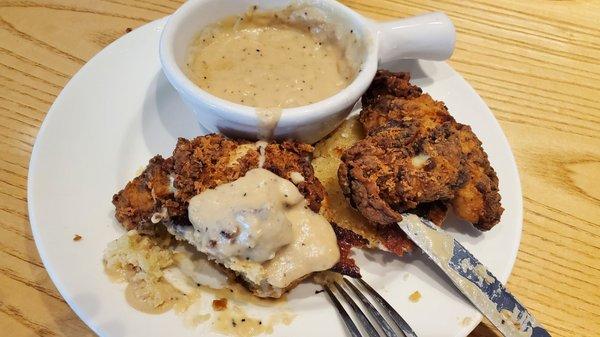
{"x":429,"y":36}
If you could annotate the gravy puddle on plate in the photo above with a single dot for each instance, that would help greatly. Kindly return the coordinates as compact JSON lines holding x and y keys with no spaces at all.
{"x":158,"y":281}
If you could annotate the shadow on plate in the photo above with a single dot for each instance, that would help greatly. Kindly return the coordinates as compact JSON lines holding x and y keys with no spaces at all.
{"x":462,"y":230}
{"x":165,"y":117}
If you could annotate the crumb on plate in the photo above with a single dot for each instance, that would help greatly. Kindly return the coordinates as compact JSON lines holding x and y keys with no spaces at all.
{"x":415,"y":296}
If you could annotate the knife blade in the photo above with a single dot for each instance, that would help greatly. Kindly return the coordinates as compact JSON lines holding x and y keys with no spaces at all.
{"x":472,"y":278}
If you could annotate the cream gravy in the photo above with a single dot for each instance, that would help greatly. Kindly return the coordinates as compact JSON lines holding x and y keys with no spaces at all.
{"x":287,"y":242}
{"x":246,"y":218}
{"x":276,"y":59}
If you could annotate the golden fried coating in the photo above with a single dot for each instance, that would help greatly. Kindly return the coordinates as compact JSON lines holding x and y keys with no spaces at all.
{"x":203,"y":163}
{"x":351,"y":227}
{"x":137,"y":201}
{"x":386,"y":83}
{"x":389,"y":171}
{"x":478,"y":201}
{"x":392,"y":97}
{"x":399,"y":168}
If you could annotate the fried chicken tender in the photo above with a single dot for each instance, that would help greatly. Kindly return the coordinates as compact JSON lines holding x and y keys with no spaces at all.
{"x":398,"y":168}
{"x":351,"y":227}
{"x":166,"y":185}
{"x":416,"y":153}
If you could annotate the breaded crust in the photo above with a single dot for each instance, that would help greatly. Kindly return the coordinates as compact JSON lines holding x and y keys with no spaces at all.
{"x":135,"y":204}
{"x":202,"y":163}
{"x":380,"y":178}
{"x":398,"y":168}
{"x":478,"y":201}
{"x":351,"y":227}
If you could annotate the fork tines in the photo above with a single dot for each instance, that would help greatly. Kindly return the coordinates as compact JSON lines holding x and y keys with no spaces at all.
{"x":376,"y":316}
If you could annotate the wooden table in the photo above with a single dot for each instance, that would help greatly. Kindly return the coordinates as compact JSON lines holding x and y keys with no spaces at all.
{"x":536,"y":63}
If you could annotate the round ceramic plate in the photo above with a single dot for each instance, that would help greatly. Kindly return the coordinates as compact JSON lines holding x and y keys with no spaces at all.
{"x":119,"y":110}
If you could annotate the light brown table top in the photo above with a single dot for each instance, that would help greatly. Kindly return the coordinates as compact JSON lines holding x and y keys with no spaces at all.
{"x":535,"y":63}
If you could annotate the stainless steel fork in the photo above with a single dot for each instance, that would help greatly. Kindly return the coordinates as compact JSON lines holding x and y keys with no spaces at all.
{"x":374,"y":313}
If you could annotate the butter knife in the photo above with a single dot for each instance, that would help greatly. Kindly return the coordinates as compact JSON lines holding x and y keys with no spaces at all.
{"x":472,"y":278}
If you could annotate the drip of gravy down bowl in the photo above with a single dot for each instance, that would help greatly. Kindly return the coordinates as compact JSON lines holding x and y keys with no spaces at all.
{"x":285,"y":69}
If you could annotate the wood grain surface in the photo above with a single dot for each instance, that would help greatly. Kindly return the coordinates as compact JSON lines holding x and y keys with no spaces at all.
{"x":536,"y":63}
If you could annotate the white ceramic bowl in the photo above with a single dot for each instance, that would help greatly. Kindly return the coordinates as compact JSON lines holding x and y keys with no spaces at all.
{"x":430,"y":36}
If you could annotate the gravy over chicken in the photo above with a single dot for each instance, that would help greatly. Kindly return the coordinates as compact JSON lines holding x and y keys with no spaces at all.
{"x":260,"y":226}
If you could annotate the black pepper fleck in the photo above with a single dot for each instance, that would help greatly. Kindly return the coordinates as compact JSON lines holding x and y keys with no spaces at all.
{"x":319,"y":291}
{"x":128,"y":29}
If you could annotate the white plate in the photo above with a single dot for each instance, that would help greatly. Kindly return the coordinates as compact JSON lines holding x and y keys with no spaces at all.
{"x":119,"y":110}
